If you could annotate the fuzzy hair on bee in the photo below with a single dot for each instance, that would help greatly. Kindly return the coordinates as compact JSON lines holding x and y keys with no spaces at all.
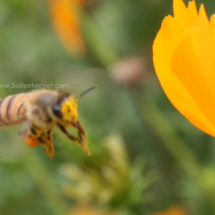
{"x":42,"y":110}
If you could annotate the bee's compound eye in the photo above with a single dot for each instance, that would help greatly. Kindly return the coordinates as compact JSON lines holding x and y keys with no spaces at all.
{"x":56,"y":108}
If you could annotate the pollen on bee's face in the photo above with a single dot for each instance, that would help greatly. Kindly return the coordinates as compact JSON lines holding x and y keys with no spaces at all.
{"x":69,"y":110}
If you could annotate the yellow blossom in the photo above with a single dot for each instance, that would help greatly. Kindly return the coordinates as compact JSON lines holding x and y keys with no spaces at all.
{"x":184,"y":61}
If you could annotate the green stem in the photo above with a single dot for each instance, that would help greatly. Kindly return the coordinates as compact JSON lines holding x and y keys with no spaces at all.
{"x":177,"y":147}
{"x":45,"y":183}
{"x":98,"y":44}
{"x":166,"y":132}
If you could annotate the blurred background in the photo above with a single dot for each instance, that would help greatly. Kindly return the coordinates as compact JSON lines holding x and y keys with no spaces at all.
{"x":147,"y":159}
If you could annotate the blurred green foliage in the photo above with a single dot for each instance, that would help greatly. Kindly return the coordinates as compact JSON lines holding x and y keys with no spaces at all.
{"x":145,"y":155}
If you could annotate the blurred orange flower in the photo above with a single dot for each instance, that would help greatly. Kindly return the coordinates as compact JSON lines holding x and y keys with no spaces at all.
{"x":174,"y":210}
{"x":184,"y":60}
{"x":66,"y":20}
{"x":87,"y":210}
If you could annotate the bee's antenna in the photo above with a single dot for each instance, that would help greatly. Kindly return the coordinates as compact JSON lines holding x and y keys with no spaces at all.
{"x":86,"y":91}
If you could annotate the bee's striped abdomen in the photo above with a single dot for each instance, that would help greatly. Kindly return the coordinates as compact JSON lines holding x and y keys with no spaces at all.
{"x":12,"y":109}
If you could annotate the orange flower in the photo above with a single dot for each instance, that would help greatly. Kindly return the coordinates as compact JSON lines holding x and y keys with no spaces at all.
{"x":184,"y":60}
{"x":174,"y":210}
{"x":66,"y":20}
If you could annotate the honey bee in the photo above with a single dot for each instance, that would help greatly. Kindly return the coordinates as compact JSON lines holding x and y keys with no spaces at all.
{"x":42,"y":110}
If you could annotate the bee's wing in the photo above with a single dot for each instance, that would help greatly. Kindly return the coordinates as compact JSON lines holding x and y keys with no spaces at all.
{"x":80,"y":81}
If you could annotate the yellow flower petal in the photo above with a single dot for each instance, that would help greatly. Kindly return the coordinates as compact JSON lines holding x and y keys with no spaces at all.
{"x":172,"y":32}
{"x":193,"y":63}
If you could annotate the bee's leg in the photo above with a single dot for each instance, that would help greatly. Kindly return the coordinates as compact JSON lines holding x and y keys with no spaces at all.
{"x":47,"y":142}
{"x":78,"y":140}
{"x":44,"y":138}
{"x":33,"y":136}
{"x":81,"y":133}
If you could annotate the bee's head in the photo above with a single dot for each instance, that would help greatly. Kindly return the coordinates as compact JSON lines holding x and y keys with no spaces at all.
{"x":66,"y":109}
